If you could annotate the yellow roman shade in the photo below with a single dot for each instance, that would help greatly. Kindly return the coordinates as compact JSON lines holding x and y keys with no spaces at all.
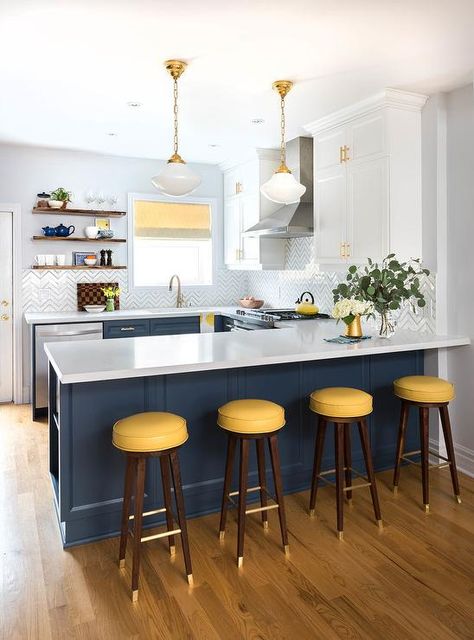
{"x":178,"y":221}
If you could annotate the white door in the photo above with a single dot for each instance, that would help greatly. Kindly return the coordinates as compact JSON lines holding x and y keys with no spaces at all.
{"x":368,"y":210}
{"x":330,"y":215}
{"x":232,"y":230}
{"x":6,"y":306}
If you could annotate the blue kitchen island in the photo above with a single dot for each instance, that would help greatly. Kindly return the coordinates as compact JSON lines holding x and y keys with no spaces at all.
{"x":93,"y":384}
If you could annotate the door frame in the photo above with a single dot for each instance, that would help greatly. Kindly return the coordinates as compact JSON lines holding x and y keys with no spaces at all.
{"x":15,"y":208}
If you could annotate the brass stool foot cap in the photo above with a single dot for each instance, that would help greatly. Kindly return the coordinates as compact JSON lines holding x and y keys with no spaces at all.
{"x":427,"y":508}
{"x":190,"y":579}
{"x":311,"y":513}
{"x":287,"y":549}
{"x":458,"y":499}
{"x":380,"y":524}
{"x":240,"y":561}
{"x":265,"y":524}
{"x":340,"y":535}
{"x":135,"y":595}
{"x":221,"y":535}
{"x":395,"y":491}
{"x":122,"y":563}
{"x":172,"y":550}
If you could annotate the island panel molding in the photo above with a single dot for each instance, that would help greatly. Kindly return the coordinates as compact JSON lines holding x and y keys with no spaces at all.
{"x":87,"y":471}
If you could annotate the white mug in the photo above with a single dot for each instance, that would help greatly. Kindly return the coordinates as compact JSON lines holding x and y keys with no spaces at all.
{"x":40,"y":260}
{"x":91,"y":232}
{"x":49,"y":259}
{"x":60,"y":260}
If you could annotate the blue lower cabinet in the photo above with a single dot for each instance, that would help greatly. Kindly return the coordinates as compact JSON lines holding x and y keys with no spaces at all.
{"x":174,"y":326}
{"x":126,"y":329}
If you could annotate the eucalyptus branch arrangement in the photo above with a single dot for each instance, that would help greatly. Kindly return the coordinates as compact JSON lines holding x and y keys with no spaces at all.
{"x":387,"y":286}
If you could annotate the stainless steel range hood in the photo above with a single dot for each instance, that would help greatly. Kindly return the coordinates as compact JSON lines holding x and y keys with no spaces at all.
{"x":292,"y":220}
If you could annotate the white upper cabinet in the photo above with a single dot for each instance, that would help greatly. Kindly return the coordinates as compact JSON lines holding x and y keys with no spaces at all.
{"x":245,"y":206}
{"x":367,"y":161}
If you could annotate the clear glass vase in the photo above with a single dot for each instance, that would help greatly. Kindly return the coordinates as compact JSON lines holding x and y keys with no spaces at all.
{"x":387,"y":324}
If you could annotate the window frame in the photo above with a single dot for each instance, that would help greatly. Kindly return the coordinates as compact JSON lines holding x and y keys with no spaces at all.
{"x":211,"y":202}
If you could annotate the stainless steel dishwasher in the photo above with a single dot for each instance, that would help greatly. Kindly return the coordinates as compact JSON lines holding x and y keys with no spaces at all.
{"x":55,"y":333}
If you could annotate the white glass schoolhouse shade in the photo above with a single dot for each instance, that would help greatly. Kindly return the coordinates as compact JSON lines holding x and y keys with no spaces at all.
{"x":283,"y":188}
{"x":176,"y":179}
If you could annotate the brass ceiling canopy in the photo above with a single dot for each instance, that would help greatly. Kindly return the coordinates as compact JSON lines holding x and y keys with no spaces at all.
{"x":175,"y":68}
{"x":283,"y":87}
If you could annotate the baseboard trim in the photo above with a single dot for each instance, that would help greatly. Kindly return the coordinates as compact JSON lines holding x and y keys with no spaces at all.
{"x":464,"y":459}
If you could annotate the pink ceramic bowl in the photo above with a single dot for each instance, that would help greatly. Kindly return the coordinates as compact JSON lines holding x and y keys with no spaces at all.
{"x":251,"y":304}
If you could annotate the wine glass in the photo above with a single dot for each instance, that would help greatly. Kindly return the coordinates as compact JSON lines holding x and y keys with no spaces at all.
{"x":90,"y":197}
{"x":112,"y":199}
{"x":100,"y":198}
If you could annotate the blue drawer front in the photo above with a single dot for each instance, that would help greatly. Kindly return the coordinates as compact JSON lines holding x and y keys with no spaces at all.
{"x":126,"y":329}
{"x":174,"y":326}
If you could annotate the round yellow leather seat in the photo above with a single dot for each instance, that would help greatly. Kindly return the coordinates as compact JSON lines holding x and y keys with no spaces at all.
{"x":341,"y":402}
{"x":150,"y":431}
{"x":423,"y":389}
{"x":251,"y":416}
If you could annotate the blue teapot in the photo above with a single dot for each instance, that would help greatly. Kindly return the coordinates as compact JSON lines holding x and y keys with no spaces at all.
{"x":48,"y":231}
{"x":64,"y":232}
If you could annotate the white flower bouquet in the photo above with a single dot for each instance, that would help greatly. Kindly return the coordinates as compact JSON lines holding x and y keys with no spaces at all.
{"x":347,"y":309}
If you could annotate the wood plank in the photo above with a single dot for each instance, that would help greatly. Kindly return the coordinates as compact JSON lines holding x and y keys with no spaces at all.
{"x":413,"y":579}
{"x":71,"y":239}
{"x":91,"y":213}
{"x":72,"y":266}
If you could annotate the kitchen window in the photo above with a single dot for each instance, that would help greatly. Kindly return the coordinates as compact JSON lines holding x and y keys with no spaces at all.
{"x":170,"y":237}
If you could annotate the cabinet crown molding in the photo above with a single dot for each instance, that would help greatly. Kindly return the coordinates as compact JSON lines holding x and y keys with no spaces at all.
{"x":393,"y":98}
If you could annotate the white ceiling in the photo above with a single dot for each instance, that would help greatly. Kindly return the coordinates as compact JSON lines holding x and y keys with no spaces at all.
{"x":68,"y":69}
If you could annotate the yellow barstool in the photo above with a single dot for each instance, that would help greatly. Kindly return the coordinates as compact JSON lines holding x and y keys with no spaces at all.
{"x":425,"y":392}
{"x":247,"y":420}
{"x":141,"y":436}
{"x":342,"y":406}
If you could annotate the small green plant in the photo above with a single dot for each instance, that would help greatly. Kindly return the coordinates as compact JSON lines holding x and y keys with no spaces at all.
{"x":61,"y":194}
{"x":111,"y":292}
{"x":387,"y":286}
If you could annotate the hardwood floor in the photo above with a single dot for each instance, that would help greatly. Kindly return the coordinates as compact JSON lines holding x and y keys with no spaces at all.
{"x":413,"y":579}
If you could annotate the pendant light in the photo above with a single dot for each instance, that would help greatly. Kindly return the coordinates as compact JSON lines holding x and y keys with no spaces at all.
{"x":282,"y":186}
{"x":176,"y":179}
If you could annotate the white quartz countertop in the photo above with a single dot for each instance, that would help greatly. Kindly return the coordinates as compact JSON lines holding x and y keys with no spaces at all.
{"x":93,"y":360}
{"x":58,"y":317}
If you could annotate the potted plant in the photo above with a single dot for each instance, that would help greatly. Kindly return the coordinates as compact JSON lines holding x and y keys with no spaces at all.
{"x":110,"y":294}
{"x":387,"y":286}
{"x":350,"y":310}
{"x":59,"y":198}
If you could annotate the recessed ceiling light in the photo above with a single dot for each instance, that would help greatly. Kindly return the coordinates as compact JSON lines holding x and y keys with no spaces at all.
{"x":214,"y":146}
{"x":134,"y":104}
{"x":112,"y":134}
{"x":257,"y":121}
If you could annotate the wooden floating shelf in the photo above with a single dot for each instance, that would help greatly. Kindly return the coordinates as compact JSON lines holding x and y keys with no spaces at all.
{"x":72,"y":266}
{"x":71,"y":239}
{"x":92,"y":213}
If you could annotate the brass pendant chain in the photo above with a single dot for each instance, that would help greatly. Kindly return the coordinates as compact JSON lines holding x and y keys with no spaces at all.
{"x":175,"y":115}
{"x":282,"y":130}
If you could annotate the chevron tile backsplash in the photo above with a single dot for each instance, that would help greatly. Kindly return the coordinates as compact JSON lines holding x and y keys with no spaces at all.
{"x":56,"y":290}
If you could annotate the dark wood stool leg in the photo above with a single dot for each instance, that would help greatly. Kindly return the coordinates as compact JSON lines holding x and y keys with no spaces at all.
{"x":318,"y":454}
{"x":275,"y":458}
{"x":166,"y":484}
{"x":243,"y":473}
{"x":178,"y":494}
{"x":424,"y":443}
{"x":137,"y":524}
{"x":448,"y":439}
{"x":339,"y":456}
{"x":127,"y":495}
{"x":262,"y":481}
{"x":348,"y":460}
{"x":369,"y":465}
{"x":231,"y":442}
{"x":400,"y":443}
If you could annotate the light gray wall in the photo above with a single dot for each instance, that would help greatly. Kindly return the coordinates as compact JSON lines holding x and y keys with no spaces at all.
{"x":460,"y":264}
{"x":26,"y":171}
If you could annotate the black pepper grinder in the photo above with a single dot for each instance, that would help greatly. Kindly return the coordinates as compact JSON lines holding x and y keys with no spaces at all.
{"x":109,"y":257}
{"x":102,"y":257}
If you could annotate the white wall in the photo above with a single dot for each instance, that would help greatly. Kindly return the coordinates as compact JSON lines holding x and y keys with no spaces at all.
{"x":26,"y":171}
{"x":460,"y":265}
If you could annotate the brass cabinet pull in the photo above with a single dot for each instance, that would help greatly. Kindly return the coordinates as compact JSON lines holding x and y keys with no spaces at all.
{"x":342,"y":250}
{"x":348,"y":250}
{"x":237,"y":255}
{"x":238,"y":187}
{"x":346,"y":157}
{"x":341,"y":155}
{"x":4,"y":316}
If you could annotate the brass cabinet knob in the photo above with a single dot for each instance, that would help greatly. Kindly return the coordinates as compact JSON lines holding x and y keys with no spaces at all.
{"x":4,"y":303}
{"x":4,"y":316}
